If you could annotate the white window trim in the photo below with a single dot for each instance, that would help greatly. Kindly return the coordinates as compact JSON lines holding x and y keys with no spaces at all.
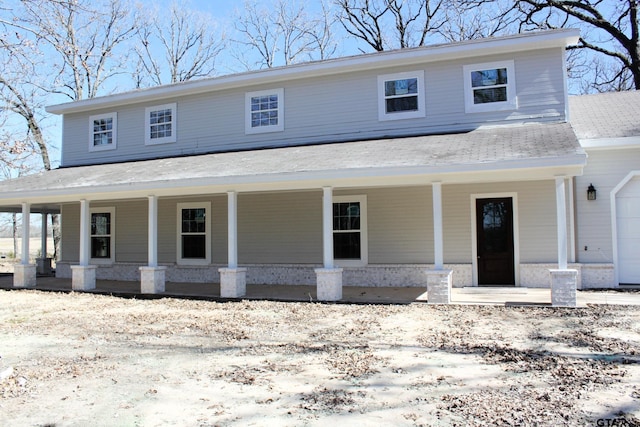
{"x":364,"y":238}
{"x":147,"y":124}
{"x":382,"y":108}
{"x":192,"y":261}
{"x":111,"y":210}
{"x":512,"y":100}
{"x":114,"y":132}
{"x":263,"y":129}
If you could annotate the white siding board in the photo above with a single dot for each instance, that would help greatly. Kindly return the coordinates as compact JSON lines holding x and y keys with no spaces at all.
{"x":324,"y":109}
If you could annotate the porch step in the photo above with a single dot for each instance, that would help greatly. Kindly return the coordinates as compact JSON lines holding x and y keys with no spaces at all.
{"x":493,"y":290}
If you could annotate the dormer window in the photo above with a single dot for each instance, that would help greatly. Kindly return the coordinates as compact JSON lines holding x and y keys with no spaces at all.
{"x":264,"y":111}
{"x":160,"y":124}
{"x":490,"y":87}
{"x":401,"y":96}
{"x":102,"y":132}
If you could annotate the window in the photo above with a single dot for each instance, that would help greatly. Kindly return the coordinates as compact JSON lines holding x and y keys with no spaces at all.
{"x":102,"y":132}
{"x":490,"y":87}
{"x":264,"y":111}
{"x":102,"y":235}
{"x":350,"y":230}
{"x":160,"y":124}
{"x":401,"y":96}
{"x":194,"y":233}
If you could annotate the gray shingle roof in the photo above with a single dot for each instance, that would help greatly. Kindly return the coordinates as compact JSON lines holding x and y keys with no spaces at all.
{"x":606,"y":115}
{"x":484,"y":148}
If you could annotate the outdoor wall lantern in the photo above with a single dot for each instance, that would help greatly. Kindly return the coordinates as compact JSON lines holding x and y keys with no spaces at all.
{"x":591,"y":192}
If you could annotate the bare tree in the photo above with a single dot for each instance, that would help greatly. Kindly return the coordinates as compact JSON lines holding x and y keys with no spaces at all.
{"x":469,"y":20}
{"x":282,"y":33}
{"x":610,"y":28}
{"x":181,"y":46}
{"x":391,"y":24}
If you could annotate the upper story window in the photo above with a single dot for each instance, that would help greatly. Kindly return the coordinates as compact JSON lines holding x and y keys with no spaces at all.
{"x":103,"y":132}
{"x":490,"y":87}
{"x":103,"y":222}
{"x":160,"y":124}
{"x":350,"y":230}
{"x":264,"y":111}
{"x":401,"y":96}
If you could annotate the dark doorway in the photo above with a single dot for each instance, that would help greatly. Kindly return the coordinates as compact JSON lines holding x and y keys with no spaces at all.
{"x":494,"y":227}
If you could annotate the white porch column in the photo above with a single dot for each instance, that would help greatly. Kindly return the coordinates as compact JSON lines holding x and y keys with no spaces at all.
{"x":24,"y":274}
{"x":563,"y":280}
{"x":83,"y":276}
{"x":438,"y":280}
{"x":233,"y":280}
{"x":328,"y":278}
{"x":43,"y":263}
{"x":152,"y":277}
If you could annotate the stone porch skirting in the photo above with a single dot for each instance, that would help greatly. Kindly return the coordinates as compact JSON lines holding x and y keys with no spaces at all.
{"x":378,"y":275}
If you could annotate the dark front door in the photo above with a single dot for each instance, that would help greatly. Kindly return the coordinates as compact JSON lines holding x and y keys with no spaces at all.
{"x":494,"y":225}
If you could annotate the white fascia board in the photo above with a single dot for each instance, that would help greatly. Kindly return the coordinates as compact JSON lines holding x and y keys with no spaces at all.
{"x":610,"y":143}
{"x":426,"y":54}
{"x":491,"y":171}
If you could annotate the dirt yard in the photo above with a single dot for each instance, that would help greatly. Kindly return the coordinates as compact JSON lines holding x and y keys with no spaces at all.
{"x":81,"y":359}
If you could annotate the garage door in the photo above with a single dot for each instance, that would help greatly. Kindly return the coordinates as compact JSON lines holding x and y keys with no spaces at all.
{"x":628,"y":223}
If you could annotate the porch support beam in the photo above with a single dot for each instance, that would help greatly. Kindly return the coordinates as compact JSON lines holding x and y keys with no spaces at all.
{"x":233,"y":280}
{"x":43,"y":263}
{"x":439,"y":280}
{"x":83,"y":276}
{"x":152,"y":277}
{"x":563,"y":280}
{"x":328,"y":278}
{"x":24,"y":274}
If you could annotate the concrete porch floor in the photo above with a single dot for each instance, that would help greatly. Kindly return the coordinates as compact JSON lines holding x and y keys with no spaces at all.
{"x":350,"y":294}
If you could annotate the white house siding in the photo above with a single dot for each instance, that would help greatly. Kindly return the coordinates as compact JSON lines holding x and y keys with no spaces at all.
{"x":324,"y":109}
{"x":605,"y":169}
{"x":280,"y":234}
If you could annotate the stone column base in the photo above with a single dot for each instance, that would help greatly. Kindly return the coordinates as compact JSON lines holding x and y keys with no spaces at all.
{"x":563,"y":288}
{"x":439,"y":286}
{"x":24,"y":276}
{"x":233,"y":282}
{"x":83,"y":277}
{"x":43,"y":266}
{"x":152,"y":280}
{"x":329,"y":284}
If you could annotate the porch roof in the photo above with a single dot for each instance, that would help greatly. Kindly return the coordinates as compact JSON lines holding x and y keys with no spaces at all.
{"x":501,"y":153}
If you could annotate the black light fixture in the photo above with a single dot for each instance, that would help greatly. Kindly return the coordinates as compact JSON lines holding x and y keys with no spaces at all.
{"x":591,"y":192}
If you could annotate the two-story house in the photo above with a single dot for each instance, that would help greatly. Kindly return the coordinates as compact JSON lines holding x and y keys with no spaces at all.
{"x":440,"y":166}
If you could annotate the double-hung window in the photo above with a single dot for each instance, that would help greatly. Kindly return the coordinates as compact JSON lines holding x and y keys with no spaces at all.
{"x":350,"y":230}
{"x":264,"y":111}
{"x":103,"y":132}
{"x":401,"y":96}
{"x":160,"y":124}
{"x":102,"y":235}
{"x":194,"y":233}
{"x":490,"y":87}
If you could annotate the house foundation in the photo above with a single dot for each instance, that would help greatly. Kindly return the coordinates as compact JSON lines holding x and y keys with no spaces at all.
{"x":564,"y":288}
{"x":83,"y":277}
{"x":233,"y":282}
{"x":152,"y":280}
{"x":24,"y":276}
{"x":439,"y":286}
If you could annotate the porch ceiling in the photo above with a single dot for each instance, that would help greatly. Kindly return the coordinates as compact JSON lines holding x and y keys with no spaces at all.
{"x":504,"y":153}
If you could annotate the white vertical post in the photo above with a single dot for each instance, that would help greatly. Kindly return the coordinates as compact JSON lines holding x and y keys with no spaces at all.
{"x":43,"y":239}
{"x":85,"y":233}
{"x":327,"y":227}
{"x":153,"y":231}
{"x":232,"y":209}
{"x":26,"y":223}
{"x":572,"y":221}
{"x":561,"y":209}
{"x":438,"y":240}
